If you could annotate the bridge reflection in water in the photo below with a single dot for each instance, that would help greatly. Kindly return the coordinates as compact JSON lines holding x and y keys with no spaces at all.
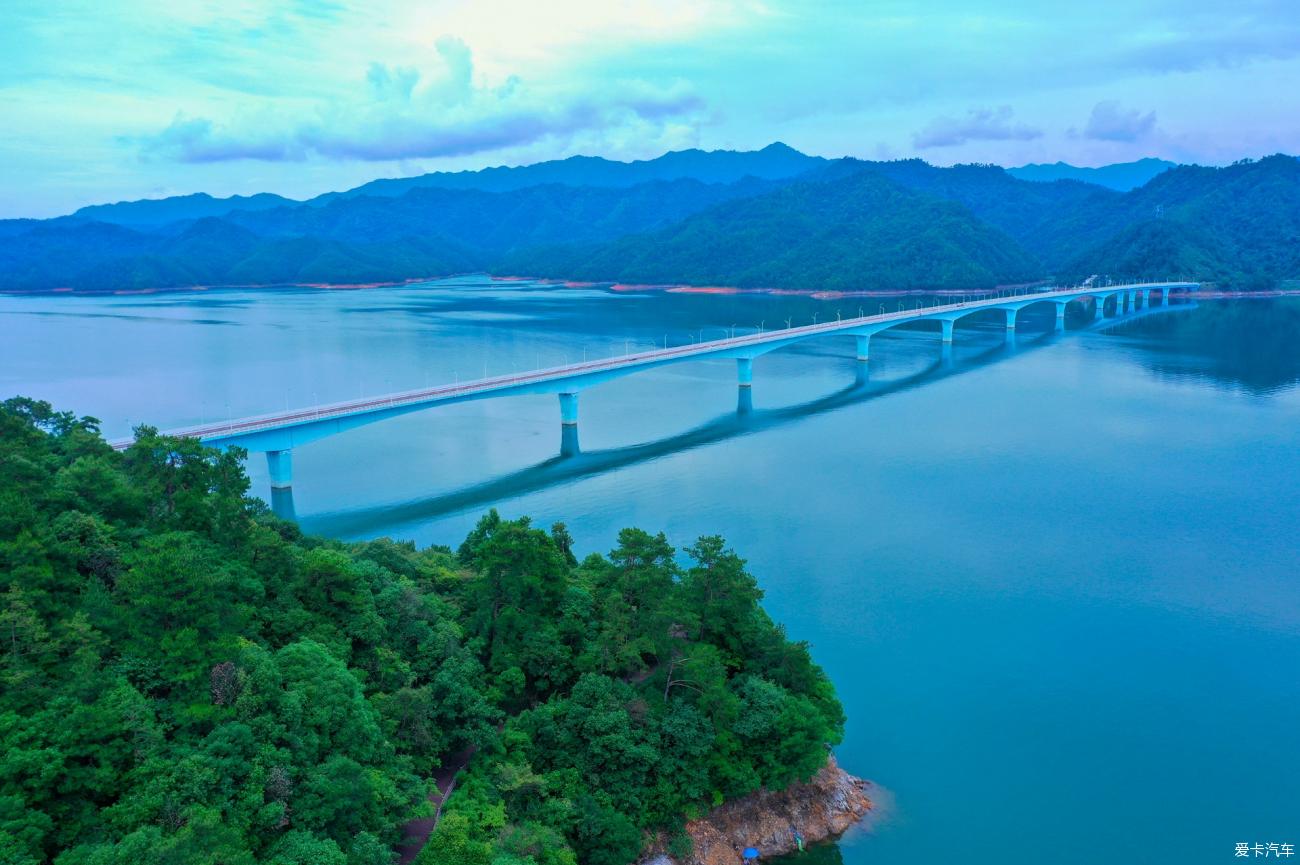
{"x":573,"y":464}
{"x":278,"y":434}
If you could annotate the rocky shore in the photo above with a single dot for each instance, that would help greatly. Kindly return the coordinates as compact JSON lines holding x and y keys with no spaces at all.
{"x":822,"y":808}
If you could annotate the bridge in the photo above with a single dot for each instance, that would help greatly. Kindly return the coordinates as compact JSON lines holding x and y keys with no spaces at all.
{"x":279,"y":433}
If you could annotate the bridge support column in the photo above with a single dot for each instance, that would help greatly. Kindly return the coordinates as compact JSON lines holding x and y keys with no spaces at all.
{"x":864,"y":347}
{"x":569,"y":409}
{"x":1060,"y":315}
{"x":1132,"y":301}
{"x":1146,"y":298}
{"x":280,"y":466}
{"x":1164,"y":297}
{"x":745,"y":371}
{"x":282,"y":503}
{"x":569,"y":440}
{"x":1101,"y":307}
{"x":1011,"y":318}
{"x":744,"y":400}
{"x":947,"y":330}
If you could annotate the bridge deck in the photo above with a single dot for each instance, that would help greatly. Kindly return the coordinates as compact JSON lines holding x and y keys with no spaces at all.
{"x":731,"y":346}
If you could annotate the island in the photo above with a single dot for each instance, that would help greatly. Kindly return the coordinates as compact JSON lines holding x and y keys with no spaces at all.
{"x":188,"y":678}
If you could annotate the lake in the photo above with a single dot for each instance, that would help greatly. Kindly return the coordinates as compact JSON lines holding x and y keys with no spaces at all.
{"x":1055,"y":579}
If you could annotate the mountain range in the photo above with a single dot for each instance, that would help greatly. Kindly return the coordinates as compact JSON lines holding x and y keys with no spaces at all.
{"x":1121,"y":176}
{"x":773,"y":218}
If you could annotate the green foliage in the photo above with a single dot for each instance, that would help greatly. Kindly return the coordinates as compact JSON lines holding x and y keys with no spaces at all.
{"x":856,"y":232}
{"x":842,"y":225}
{"x":187,"y":679}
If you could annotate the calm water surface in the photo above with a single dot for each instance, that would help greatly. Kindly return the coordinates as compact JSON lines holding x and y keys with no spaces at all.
{"x":1056,"y":581}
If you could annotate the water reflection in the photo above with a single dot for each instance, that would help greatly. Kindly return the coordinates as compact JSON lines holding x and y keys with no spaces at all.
{"x":1238,"y":343}
{"x":569,"y":467}
{"x":569,"y":440}
{"x":572,"y":464}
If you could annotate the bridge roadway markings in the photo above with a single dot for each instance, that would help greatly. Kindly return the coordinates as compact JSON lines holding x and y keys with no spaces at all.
{"x":744,"y":348}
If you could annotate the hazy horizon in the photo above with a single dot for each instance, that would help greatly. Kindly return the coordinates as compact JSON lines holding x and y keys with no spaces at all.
{"x":131,"y":100}
{"x":174,"y":194}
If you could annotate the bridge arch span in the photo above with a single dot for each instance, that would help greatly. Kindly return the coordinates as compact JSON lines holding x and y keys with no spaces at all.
{"x":278,"y":434}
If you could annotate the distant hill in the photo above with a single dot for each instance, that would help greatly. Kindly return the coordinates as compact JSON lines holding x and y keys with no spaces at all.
{"x":1121,"y":176}
{"x":95,"y":256}
{"x":859,"y":231}
{"x":776,"y":161}
{"x":499,"y":221}
{"x":153,"y":212}
{"x":1239,"y":225}
{"x":425,"y":232}
{"x":772,"y":217}
{"x":1029,"y":212}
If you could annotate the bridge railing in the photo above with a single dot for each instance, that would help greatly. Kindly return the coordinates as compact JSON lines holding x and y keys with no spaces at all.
{"x":347,"y":408}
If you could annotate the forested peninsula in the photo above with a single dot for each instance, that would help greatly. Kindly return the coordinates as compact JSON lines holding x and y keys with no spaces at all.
{"x":189,"y":679}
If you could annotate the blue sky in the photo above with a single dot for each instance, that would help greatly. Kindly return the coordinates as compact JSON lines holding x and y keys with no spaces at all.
{"x":103,"y":101}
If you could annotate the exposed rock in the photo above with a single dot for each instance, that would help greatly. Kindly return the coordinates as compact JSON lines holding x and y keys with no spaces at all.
{"x":824,"y":807}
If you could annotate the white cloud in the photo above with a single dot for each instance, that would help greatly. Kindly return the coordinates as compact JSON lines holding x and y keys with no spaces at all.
{"x":403,"y":113}
{"x":979,"y":124}
{"x":1110,"y":122}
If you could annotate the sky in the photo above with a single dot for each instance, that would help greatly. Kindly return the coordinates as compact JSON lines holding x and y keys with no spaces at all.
{"x":108,"y":101}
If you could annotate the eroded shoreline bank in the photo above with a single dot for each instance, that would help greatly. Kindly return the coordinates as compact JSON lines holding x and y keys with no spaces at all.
{"x":773,"y":822}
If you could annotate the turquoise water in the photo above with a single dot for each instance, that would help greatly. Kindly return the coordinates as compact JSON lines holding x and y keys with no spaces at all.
{"x":1056,"y":581}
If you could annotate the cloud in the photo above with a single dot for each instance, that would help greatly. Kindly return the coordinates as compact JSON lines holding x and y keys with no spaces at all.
{"x":198,"y":140}
{"x":979,"y":124}
{"x":1110,"y":122}
{"x":403,"y":112}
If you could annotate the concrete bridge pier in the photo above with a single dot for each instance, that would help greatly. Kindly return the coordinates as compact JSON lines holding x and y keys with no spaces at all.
{"x":280,"y":466}
{"x":1146,"y":298}
{"x":1060,"y":315}
{"x":1164,"y":297}
{"x":569,"y":440}
{"x":744,"y":400}
{"x":1132,"y":301}
{"x":569,"y":409}
{"x":1101,"y":307}
{"x":947,"y":330}
{"x":282,"y":504}
{"x":1011,"y":317}
{"x":745,"y":371}
{"x":864,"y":346}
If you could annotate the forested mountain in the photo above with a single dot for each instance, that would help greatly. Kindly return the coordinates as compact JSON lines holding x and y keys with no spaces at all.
{"x":96,"y":256}
{"x":495,"y":222}
{"x":915,"y":225}
{"x":1030,"y":212}
{"x":1121,"y":176}
{"x":774,"y":162}
{"x":186,"y":678}
{"x":152,"y":212}
{"x":851,"y":232}
{"x":424,"y":232}
{"x":1238,"y":225}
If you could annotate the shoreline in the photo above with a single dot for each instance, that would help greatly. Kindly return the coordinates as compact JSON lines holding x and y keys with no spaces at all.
{"x":608,"y":285}
{"x":819,"y":810}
